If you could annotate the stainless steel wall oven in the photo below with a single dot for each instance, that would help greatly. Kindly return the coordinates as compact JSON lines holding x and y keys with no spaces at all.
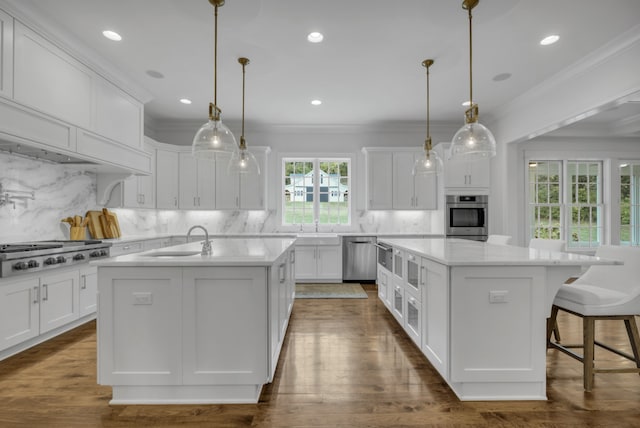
{"x":467,"y":216}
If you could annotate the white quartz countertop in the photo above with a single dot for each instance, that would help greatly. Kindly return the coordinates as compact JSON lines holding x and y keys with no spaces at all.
{"x":462,"y":252}
{"x":225,"y":252}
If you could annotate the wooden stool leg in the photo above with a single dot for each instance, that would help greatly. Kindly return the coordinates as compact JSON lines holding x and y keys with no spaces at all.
{"x":588,"y":336}
{"x":634,"y":338}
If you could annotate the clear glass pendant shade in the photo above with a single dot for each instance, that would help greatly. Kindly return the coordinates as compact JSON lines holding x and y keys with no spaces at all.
{"x":213,"y":137}
{"x":243,"y":162}
{"x":473,"y":141}
{"x":428,"y":163}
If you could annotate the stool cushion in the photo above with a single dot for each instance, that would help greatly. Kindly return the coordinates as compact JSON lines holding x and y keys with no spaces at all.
{"x":585,"y":294}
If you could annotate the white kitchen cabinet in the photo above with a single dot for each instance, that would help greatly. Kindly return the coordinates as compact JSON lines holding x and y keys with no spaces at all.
{"x":117,"y":115}
{"x":59,"y":299}
{"x":318,"y":263}
{"x":197,"y":182}
{"x":379,"y":180}
{"x":88,"y":290}
{"x":167,"y":178}
{"x":138,"y":191}
{"x":19,"y":311}
{"x":6,"y":55}
{"x":240,"y":191}
{"x":50,"y":81}
{"x":122,"y":248}
{"x":412,"y":192}
{"x":435,"y":329}
{"x":382,"y":281}
{"x":464,"y":175}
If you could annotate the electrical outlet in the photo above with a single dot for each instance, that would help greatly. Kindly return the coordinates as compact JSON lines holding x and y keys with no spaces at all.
{"x":498,"y":296}
{"x":142,"y":298}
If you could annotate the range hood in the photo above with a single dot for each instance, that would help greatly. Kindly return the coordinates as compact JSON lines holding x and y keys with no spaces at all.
{"x":33,"y":152}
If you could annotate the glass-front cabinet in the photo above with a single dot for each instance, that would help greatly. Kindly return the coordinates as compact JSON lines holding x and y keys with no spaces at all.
{"x":413,"y":272}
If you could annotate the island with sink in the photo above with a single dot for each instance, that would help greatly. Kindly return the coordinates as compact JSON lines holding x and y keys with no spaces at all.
{"x":201,"y":322}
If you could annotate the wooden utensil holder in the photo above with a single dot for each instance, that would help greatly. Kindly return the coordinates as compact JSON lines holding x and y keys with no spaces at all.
{"x":78,"y":233}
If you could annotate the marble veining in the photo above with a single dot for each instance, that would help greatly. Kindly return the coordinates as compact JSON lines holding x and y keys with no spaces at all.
{"x":65,"y":190}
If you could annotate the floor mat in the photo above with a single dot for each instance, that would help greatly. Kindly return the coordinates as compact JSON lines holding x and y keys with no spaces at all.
{"x":330,"y":291}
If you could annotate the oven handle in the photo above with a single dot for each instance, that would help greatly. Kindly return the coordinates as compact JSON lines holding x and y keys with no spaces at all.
{"x":382,"y":247}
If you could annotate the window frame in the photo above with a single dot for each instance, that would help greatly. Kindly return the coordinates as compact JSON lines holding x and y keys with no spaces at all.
{"x":634,"y":235}
{"x":566,"y":204}
{"x":316,"y":160}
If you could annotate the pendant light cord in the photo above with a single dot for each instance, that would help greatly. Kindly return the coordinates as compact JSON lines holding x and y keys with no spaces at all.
{"x":470,"y":63}
{"x":243,"y":86}
{"x":215,"y":59}
{"x":428,"y":132}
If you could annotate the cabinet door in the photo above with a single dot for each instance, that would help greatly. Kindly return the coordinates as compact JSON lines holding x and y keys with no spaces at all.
{"x":88,"y":290}
{"x":118,"y":116}
{"x":467,"y":174}
{"x":19,"y":311}
{"x":206,"y":176}
{"x":59,"y":299}
{"x":130,"y":194}
{"x":50,"y":81}
{"x":305,"y":262}
{"x":382,"y":282}
{"x":379,"y":180}
{"x":435,"y":333}
{"x":425,"y":191}
{"x":252,"y":188}
{"x":222,"y":343}
{"x":329,"y":262}
{"x":166,"y":179}
{"x":140,"y":326}
{"x":188,"y":181}
{"x":480,"y":173}
{"x":397,"y":300}
{"x":227,"y":186}
{"x":413,"y":317}
{"x":403,"y":187}
{"x":6,"y":55}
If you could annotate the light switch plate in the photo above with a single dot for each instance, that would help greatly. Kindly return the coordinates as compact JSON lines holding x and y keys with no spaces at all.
{"x":142,"y":298}
{"x":498,"y":296}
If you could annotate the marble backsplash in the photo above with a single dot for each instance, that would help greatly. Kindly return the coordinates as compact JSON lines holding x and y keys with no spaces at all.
{"x":63,"y":190}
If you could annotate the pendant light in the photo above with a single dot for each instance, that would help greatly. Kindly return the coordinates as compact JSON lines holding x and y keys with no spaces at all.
{"x":213,"y":137}
{"x":242,"y":160}
{"x":473,"y":140}
{"x":429,"y":162}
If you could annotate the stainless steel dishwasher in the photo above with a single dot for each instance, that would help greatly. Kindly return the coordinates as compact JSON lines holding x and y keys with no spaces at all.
{"x":359,"y":258}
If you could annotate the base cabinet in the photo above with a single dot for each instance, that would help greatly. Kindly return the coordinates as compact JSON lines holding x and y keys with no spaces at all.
{"x":36,"y":307}
{"x":319,"y":263}
{"x":176,"y":335}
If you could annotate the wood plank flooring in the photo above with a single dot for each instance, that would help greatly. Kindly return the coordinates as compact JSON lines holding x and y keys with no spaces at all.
{"x":345,"y":363}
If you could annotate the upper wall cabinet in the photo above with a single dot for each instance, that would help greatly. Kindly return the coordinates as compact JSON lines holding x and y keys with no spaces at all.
{"x":6,"y":55}
{"x":117,"y":115}
{"x":379,"y":180}
{"x":465,"y":176}
{"x":167,"y":179}
{"x":240,"y":191}
{"x":391,"y":184}
{"x":197,"y":182}
{"x":50,"y":81}
{"x":412,"y":192}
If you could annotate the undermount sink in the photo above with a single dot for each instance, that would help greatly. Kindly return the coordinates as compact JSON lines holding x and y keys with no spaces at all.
{"x":318,"y":238}
{"x":173,"y":253}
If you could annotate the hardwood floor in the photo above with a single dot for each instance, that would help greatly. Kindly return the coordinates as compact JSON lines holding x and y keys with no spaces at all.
{"x":345,"y":363}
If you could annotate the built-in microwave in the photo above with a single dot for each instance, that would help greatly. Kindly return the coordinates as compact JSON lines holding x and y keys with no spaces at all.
{"x":467,"y":216}
{"x":385,"y":256}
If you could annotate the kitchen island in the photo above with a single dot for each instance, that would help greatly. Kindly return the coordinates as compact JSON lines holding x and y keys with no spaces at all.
{"x":176,"y":326}
{"x":478,"y":311}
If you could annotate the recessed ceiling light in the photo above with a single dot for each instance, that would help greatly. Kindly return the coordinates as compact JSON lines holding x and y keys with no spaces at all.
{"x":500,"y":77}
{"x":315,"y":37}
{"x":112,"y":35}
{"x":549,"y":40}
{"x":316,"y":102}
{"x":155,"y":74}
{"x":185,"y":100}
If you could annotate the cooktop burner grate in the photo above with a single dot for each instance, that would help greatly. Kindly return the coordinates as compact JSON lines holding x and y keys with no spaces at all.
{"x":16,"y":248}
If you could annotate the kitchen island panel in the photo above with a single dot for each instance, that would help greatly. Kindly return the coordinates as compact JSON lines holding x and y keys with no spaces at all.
{"x":139,"y":326}
{"x":225,"y":321}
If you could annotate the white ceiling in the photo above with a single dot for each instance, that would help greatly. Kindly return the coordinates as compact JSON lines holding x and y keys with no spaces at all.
{"x":367,"y":70}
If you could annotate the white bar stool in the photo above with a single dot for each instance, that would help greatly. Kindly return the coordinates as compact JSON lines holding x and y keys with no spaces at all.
{"x":610,"y":292}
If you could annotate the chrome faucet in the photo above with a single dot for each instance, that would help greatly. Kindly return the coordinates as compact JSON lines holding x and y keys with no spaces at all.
{"x":206,"y":245}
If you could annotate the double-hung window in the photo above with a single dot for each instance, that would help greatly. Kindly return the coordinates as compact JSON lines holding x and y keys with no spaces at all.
{"x":565,"y":201}
{"x":316,"y":190}
{"x":630,"y":204}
